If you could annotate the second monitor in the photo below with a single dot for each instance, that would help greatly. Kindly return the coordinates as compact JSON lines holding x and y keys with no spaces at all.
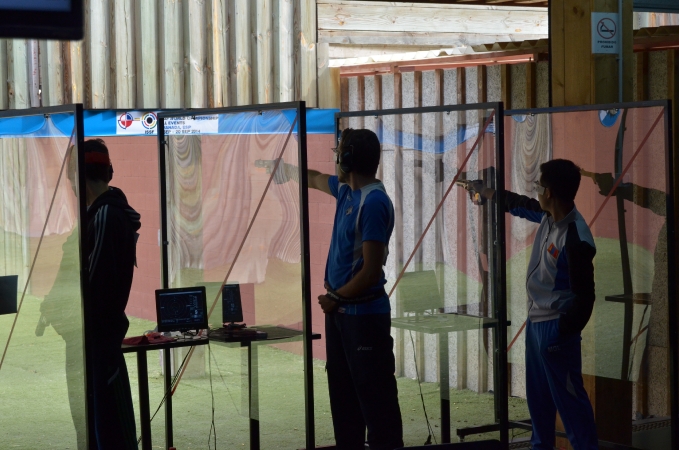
{"x":232,"y":308}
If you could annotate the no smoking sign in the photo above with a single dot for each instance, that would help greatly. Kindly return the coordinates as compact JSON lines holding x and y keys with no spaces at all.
{"x":605,"y":33}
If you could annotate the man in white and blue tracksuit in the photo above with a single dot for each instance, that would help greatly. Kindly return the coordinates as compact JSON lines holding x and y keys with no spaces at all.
{"x":560,"y":288}
{"x":359,"y":346}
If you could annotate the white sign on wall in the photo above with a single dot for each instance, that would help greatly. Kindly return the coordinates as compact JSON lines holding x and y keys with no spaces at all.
{"x":606,"y":33}
{"x":192,"y":125}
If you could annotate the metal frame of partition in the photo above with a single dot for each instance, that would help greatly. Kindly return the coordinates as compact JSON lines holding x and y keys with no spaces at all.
{"x":673,"y":308}
{"x":300,"y":107}
{"x":88,"y":332}
{"x":498,"y":294}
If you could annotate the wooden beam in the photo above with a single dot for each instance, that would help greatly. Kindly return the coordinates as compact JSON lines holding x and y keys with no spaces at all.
{"x":284,"y":43}
{"x":73,"y":72}
{"x":171,"y":55}
{"x":308,"y":72}
{"x":482,"y":85}
{"x":123,"y":54}
{"x":17,"y":74}
{"x":146,"y":54}
{"x":51,"y":73}
{"x":328,"y":80}
{"x":34,"y":63}
{"x":195,"y":44}
{"x":4,"y":99}
{"x":99,"y":82}
{"x":642,"y":67}
{"x":217,"y":54}
{"x":506,"y":85}
{"x":362,"y":16}
{"x":243,"y":56}
{"x":557,"y":54}
{"x":531,"y":85}
{"x":264,"y":46}
{"x":418,"y":38}
{"x":344,"y":89}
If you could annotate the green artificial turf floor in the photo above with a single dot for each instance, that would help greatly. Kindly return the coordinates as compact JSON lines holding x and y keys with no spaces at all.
{"x":34,"y":408}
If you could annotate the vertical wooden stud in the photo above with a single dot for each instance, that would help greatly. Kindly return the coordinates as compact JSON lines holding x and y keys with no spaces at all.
{"x":17,"y":74}
{"x":4,"y":99}
{"x":123,"y":54}
{"x":171,"y":55}
{"x":146,"y":54}
{"x":264,"y":45}
{"x":284,"y":60}
{"x":243,"y":63}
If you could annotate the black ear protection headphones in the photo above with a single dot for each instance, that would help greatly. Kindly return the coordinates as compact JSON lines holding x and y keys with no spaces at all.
{"x":346,"y":155}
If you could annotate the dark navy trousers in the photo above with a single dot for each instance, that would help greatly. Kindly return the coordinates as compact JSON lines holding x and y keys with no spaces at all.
{"x":361,"y":381}
{"x":554,"y":383}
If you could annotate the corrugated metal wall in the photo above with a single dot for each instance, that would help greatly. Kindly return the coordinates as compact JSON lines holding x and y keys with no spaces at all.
{"x":170,"y":54}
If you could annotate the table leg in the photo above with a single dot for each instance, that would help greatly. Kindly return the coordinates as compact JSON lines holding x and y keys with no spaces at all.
{"x":253,"y":393}
{"x":167,"y":355}
{"x":144,"y":409}
{"x":444,"y":387}
{"x":627,"y":337}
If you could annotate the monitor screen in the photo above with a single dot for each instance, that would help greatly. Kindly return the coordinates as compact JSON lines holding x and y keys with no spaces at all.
{"x":42,"y":19}
{"x":8,"y":294}
{"x":232,"y":309}
{"x":181,"y":309}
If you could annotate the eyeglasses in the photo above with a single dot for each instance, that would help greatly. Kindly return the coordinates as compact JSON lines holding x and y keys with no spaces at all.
{"x":539,"y":188}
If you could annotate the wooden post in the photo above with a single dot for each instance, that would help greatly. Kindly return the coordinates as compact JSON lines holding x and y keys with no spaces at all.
{"x":51,"y":73}
{"x":73,"y":72}
{"x":99,"y":82}
{"x":17,"y":74}
{"x":4,"y":99}
{"x":217,"y":54}
{"x":329,"y":80}
{"x":578,"y":77}
{"x":506,"y":85}
{"x":284,"y":45}
{"x":195,"y":61}
{"x":33,"y":58}
{"x":243,"y":59}
{"x":123,"y":55}
{"x":307,"y":66}
{"x":171,"y":55}
{"x":146,"y":53}
{"x":264,"y":46}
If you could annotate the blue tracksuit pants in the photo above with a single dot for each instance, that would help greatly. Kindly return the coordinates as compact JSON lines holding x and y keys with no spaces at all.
{"x":554,"y":383}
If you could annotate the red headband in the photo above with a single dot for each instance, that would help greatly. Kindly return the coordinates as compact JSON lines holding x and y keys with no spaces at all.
{"x":97,"y":158}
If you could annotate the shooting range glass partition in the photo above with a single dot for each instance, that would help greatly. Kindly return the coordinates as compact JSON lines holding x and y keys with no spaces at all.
{"x":444,"y":273}
{"x":42,"y":368}
{"x":626,"y":196}
{"x":234,"y":209}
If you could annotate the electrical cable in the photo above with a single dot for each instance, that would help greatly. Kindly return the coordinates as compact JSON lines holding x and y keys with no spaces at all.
{"x":168,"y":392}
{"x":224,"y":383}
{"x":424,"y":408}
{"x":213,"y":428}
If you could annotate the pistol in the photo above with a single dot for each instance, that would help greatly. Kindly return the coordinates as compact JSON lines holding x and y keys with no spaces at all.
{"x":474,"y":195}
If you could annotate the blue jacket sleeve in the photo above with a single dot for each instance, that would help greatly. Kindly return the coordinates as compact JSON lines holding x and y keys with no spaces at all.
{"x":524,"y":207}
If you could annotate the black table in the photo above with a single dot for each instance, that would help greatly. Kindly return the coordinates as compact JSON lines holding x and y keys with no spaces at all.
{"x":442,"y":324}
{"x":275,"y":335}
{"x":142,"y":373}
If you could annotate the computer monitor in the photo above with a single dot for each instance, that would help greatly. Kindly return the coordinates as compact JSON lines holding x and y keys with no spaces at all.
{"x":181,"y":309}
{"x":232,"y":308}
{"x":42,"y":19}
{"x":8,"y":294}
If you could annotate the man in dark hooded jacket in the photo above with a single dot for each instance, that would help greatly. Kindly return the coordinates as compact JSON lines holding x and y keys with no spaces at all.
{"x":112,"y":227}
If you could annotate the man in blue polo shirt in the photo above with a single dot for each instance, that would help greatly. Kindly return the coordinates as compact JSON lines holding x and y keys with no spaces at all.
{"x":359,"y":346}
